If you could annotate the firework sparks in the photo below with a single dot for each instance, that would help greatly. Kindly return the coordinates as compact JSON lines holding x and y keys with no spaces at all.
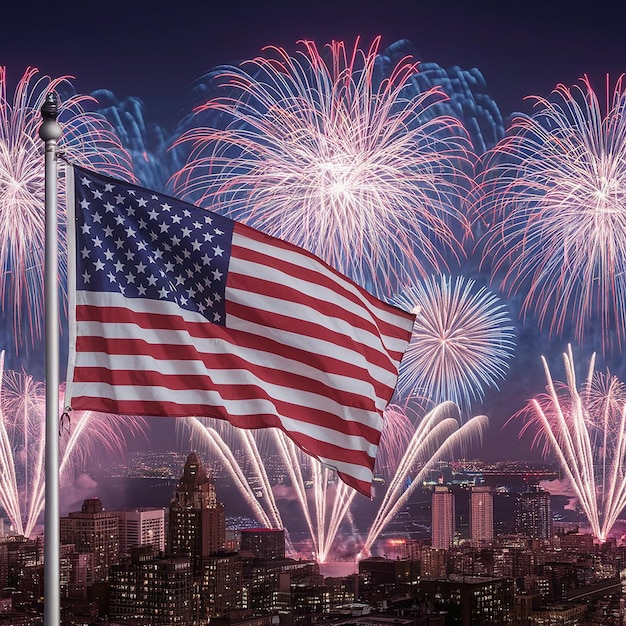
{"x":22,"y":446}
{"x":586,"y":428}
{"x":462,"y":340}
{"x":334,"y":158}
{"x":88,"y":140}
{"x":554,"y":194}
{"x":438,"y":433}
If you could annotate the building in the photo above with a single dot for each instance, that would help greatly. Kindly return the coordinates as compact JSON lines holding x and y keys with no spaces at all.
{"x":533,"y":514}
{"x":471,"y":600}
{"x":264,"y":543}
{"x":142,"y":527}
{"x":443,"y":513}
{"x":149,"y":589}
{"x":481,"y":515}
{"x":92,"y":529}
{"x":197,"y":526}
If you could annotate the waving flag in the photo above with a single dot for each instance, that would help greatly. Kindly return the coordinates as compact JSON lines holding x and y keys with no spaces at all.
{"x":177,"y":311}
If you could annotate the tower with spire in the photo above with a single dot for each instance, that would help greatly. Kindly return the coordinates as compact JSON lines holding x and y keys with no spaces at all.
{"x":197,"y":525}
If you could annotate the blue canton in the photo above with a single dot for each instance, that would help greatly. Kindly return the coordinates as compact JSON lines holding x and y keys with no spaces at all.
{"x":144,"y":245}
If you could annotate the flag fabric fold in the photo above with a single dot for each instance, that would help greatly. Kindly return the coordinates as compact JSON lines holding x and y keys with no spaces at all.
{"x":178,"y":311}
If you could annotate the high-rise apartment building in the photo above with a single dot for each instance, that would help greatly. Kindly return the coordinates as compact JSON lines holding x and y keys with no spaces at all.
{"x":142,"y":527}
{"x":152,"y":590}
{"x":481,"y":515}
{"x":92,"y":529}
{"x":443,"y":517}
{"x":533,"y":514}
{"x":197,"y":526}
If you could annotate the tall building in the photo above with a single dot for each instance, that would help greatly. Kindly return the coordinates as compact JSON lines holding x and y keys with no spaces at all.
{"x":197,"y":526}
{"x":443,"y":517}
{"x":142,"y":527}
{"x":533,"y":514}
{"x":481,"y":515}
{"x":145,"y":587}
{"x":92,"y":529}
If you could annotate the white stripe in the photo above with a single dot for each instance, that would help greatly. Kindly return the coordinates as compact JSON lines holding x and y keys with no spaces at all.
{"x":360,"y":472}
{"x":309,"y":345}
{"x":232,"y":377}
{"x":320,"y":292}
{"x":242,"y":408}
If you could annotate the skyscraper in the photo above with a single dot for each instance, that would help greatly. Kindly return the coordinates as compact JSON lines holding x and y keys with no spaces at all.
{"x":142,"y":527}
{"x":481,"y":515}
{"x":533,"y":514}
{"x":197,"y":526}
{"x":443,"y":517}
{"x":92,"y":529}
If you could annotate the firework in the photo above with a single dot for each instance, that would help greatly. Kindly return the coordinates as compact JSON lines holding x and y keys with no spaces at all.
{"x":22,"y":446}
{"x":438,"y":433}
{"x":585,"y":426}
{"x":332,"y":156}
{"x":462,"y":340}
{"x":553,"y":198}
{"x":88,"y":140}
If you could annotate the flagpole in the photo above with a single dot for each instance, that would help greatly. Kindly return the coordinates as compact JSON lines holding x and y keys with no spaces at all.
{"x":50,"y":132}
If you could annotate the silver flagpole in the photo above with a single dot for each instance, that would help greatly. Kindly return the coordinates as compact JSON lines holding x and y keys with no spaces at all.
{"x":50,"y":132}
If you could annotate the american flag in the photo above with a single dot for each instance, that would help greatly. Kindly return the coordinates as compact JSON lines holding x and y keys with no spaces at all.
{"x":178,"y":311}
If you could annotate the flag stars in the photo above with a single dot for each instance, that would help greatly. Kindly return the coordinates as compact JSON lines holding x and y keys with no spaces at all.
{"x":86,"y":277}
{"x":119,"y":199}
{"x":163,"y":293}
{"x":153,"y":215}
{"x":119,"y":266}
{"x":85,"y":252}
{"x":99,"y":265}
{"x":130,"y":232}
{"x":97,"y":242}
{"x":85,"y":229}
{"x":218,"y":251}
{"x":142,"y":202}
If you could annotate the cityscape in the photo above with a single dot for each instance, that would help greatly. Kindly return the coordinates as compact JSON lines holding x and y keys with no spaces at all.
{"x":490,"y":486}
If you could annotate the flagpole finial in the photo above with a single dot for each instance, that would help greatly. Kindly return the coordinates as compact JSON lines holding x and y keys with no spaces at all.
{"x":50,"y":129}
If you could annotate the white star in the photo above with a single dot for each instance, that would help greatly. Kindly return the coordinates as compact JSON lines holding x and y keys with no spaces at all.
{"x":218,"y":251}
{"x":163,"y":292}
{"x":85,"y":228}
{"x":217,"y":275}
{"x":86,"y":277}
{"x":99,"y":265}
{"x":97,"y":242}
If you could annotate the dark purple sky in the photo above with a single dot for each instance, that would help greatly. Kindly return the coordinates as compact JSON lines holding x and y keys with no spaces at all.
{"x":153,"y":50}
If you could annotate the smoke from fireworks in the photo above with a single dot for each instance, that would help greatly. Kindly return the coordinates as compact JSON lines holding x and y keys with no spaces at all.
{"x":553,"y":197}
{"x":88,"y":140}
{"x":462,"y":340}
{"x":22,"y":446}
{"x":334,"y":157}
{"x":586,"y":428}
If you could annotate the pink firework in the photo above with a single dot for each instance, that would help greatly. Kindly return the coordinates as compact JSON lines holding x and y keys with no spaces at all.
{"x":585,"y":426}
{"x":22,"y":444}
{"x":87,"y":140}
{"x":335,"y":158}
{"x":553,"y":198}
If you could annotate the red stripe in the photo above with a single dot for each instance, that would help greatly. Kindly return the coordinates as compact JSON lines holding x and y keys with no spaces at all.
{"x":316,"y":277}
{"x":252,"y":341}
{"x":309,"y":444}
{"x":234,"y":390}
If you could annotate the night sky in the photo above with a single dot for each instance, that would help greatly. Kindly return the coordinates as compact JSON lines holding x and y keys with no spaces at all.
{"x":155,"y":50}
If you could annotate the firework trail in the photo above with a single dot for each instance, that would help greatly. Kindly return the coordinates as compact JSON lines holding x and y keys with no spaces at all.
{"x":462,"y":340}
{"x":22,"y":445}
{"x":87,"y":140}
{"x":586,"y":428}
{"x":334,"y":157}
{"x":468,"y":99}
{"x":553,"y":197}
{"x":437,"y":434}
